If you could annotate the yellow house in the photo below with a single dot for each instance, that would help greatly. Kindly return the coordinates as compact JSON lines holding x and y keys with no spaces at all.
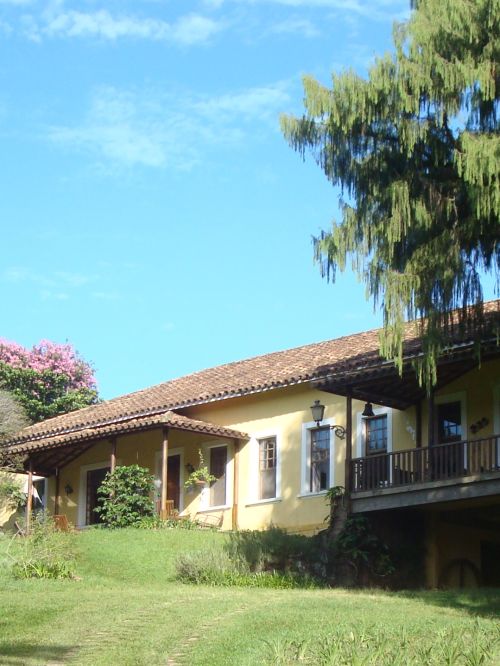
{"x":401,"y":455}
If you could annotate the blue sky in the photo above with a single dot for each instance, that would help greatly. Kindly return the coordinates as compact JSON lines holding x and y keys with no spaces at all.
{"x":152,"y":213}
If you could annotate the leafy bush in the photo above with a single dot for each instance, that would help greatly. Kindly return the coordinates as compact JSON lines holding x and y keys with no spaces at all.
{"x":126,"y":496}
{"x":217,"y":568}
{"x":156,"y":523}
{"x":11,"y":491}
{"x":274,"y":549}
{"x":45,"y":553}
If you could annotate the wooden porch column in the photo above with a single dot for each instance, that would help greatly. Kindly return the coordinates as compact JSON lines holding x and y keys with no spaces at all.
{"x":431,"y":420}
{"x":418,"y":424}
{"x":348,"y":451}
{"x":29,"y":503}
{"x":236,"y":477}
{"x":113,"y":455}
{"x":164,"y":470}
{"x":57,"y":499}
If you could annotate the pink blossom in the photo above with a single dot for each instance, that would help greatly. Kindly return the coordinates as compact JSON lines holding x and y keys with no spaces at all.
{"x":46,"y":355}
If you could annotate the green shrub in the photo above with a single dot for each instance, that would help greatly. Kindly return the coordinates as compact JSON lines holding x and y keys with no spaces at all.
{"x":217,"y":568}
{"x":275,"y":549}
{"x":45,"y":553}
{"x":156,"y":523}
{"x":126,"y":496}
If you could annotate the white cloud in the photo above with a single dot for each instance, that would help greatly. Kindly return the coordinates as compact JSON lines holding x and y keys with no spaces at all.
{"x":156,"y":129}
{"x":375,"y":9}
{"x":298,"y":26}
{"x":187,"y":30}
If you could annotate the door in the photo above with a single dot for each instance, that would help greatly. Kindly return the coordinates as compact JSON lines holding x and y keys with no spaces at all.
{"x":218,"y":462}
{"x":95,"y":477}
{"x":174,"y":480}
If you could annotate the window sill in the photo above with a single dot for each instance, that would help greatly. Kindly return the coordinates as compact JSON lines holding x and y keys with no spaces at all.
{"x":321,"y":493}
{"x":271,"y":500}
{"x":207,"y":509}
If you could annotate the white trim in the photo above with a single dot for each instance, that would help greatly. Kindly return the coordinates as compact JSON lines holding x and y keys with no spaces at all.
{"x":253,"y":477}
{"x":157,"y":474}
{"x":320,"y":493}
{"x":82,"y":492}
{"x":360,"y":431}
{"x":305,"y":458}
{"x":272,"y":500}
{"x":204,"y":504}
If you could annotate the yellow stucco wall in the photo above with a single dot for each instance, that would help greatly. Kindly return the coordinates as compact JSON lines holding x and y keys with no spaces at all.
{"x":282,"y":412}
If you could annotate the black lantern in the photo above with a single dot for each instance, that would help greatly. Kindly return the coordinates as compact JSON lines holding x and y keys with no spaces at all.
{"x":68,"y":489}
{"x":318,"y":411}
{"x":368,"y":411}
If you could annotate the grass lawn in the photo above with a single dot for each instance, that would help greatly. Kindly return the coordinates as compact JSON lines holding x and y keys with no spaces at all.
{"x":128,"y":609}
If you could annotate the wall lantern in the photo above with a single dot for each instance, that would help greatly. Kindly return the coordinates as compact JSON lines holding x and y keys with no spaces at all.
{"x":368,"y":411}
{"x":68,"y":489}
{"x":318,"y":412}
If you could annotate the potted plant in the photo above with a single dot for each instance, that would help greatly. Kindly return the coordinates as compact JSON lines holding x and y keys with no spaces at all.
{"x":199,"y":477}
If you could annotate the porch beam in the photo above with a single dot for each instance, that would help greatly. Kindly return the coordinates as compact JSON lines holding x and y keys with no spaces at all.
{"x":164,"y":471}
{"x":418,"y":424}
{"x":236,"y":478}
{"x":57,"y":498}
{"x":113,"y":455}
{"x":431,"y":419}
{"x":348,"y":451}
{"x":29,"y":503}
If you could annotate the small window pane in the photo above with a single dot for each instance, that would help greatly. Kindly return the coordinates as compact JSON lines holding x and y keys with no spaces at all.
{"x":449,"y":422}
{"x":320,"y":459}
{"x":376,"y":434}
{"x":267,"y":468}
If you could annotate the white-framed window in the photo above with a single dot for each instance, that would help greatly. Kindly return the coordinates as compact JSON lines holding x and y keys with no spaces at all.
{"x":451,"y":418}
{"x":265,"y":467}
{"x":318,"y":457}
{"x":374,"y":434}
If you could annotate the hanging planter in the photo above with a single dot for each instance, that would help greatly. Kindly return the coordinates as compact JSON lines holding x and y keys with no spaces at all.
{"x":200,"y":477}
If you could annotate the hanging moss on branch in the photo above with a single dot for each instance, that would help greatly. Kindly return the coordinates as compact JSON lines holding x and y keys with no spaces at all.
{"x":415,"y":148}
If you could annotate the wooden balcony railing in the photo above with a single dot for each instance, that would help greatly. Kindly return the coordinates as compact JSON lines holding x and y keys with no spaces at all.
{"x":434,"y":464}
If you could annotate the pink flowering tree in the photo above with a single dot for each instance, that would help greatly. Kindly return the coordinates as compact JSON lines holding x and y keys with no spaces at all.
{"x":48,"y":379}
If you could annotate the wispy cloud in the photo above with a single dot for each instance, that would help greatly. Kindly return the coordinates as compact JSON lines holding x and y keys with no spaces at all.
{"x":295,"y":26}
{"x":55,"y":285}
{"x":375,"y":9}
{"x":56,"y":21}
{"x":157,"y":129}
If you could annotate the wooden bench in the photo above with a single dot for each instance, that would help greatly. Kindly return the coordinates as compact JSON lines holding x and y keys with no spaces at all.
{"x":209,"y":519}
{"x":61,"y":522}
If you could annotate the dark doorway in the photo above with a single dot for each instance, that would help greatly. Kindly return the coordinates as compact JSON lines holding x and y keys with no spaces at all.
{"x":490,"y":563}
{"x":94,"y":479}
{"x":174,"y":480}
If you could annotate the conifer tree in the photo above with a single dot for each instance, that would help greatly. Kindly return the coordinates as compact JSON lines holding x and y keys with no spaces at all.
{"x":415,"y":148}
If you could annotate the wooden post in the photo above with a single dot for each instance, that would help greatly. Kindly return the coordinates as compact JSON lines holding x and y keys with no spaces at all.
{"x":164,"y":470}
{"x":57,"y":499}
{"x":236,"y":475}
{"x":348,"y":451}
{"x":431,"y":420}
{"x":418,"y":424}
{"x":29,"y":503}
{"x":113,"y":455}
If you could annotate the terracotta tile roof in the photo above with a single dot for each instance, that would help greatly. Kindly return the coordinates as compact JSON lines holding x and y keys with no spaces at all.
{"x":127,"y":425}
{"x":253,"y":375}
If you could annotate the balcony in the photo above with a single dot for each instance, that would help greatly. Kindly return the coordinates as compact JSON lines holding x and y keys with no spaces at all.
{"x":441,"y":473}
